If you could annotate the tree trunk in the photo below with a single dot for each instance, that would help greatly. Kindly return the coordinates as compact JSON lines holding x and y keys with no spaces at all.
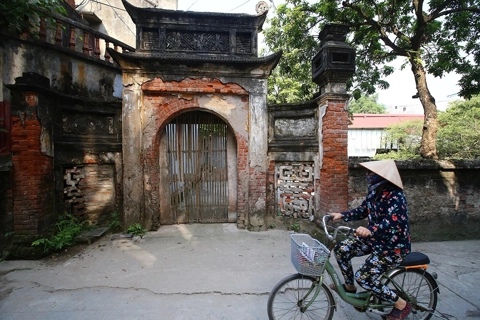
{"x":428,"y":145}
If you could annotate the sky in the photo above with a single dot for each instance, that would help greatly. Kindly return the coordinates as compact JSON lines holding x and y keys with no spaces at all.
{"x":227,"y":6}
{"x":402,"y":84}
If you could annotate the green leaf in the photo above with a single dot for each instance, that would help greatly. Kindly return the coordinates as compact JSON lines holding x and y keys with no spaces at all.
{"x":442,"y":37}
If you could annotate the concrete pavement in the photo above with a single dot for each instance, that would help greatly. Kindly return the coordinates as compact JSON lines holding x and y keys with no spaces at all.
{"x":197,"y":272}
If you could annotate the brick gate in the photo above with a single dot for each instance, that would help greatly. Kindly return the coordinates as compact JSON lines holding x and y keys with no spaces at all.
{"x":188,"y":61}
{"x":194,"y":61}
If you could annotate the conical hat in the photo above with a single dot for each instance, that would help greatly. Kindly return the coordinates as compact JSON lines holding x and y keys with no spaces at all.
{"x":386,"y":169}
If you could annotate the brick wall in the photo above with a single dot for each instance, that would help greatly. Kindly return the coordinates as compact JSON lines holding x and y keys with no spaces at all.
{"x":33,"y":203}
{"x":333,"y":184}
{"x":91,"y":192}
{"x":197,"y":85}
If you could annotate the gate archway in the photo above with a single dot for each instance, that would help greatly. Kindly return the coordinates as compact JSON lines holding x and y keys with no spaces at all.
{"x":197,"y":152}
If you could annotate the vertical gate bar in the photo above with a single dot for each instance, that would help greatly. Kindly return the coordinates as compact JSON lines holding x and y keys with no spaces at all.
{"x":205,"y":164}
{"x":214,"y":170}
{"x":169,"y":163}
{"x":181,"y":177}
{"x":172,"y":188}
{"x":184,"y":162}
{"x":181,"y":165}
{"x":190,"y":151}
{"x":224,"y":171}
{"x":198,"y":171}
{"x":186,"y":156}
{"x":218,"y":183}
{"x":191,"y":154}
{"x":213,"y":179}
{"x":206,"y":205}
{"x":174,"y":173}
{"x":174,"y":196}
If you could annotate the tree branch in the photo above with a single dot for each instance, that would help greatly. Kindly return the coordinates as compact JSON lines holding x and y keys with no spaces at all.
{"x":371,"y":22}
{"x":447,"y":12}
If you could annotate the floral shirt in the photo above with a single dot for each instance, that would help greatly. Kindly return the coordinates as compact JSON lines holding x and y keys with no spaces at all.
{"x":387,"y":221}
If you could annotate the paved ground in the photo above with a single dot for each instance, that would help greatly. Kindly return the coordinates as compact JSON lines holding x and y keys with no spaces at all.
{"x":196,"y":272}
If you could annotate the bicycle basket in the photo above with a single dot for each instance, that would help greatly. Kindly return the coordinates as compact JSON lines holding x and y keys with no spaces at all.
{"x":309,"y":256}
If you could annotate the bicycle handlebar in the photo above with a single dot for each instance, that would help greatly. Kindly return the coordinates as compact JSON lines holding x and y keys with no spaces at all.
{"x":326,"y":219}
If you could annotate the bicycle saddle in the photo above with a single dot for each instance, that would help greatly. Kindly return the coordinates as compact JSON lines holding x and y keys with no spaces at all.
{"x":415,"y":258}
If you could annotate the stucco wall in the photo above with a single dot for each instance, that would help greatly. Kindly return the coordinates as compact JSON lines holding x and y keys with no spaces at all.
{"x":73,"y":74}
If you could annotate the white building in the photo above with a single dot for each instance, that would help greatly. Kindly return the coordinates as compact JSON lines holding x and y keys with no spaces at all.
{"x":366,"y":130}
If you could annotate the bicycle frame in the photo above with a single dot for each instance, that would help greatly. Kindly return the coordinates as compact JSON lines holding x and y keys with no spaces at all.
{"x":361,"y":299}
{"x":298,"y":293}
{"x":355,"y":299}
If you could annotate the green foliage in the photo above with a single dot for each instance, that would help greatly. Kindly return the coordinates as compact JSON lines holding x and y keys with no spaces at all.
{"x":295,"y":227}
{"x":292,"y":31}
{"x":405,"y":137}
{"x":432,"y":37}
{"x":459,"y":130}
{"x":397,"y":155}
{"x":68,"y":228}
{"x":20,"y":15}
{"x":458,"y":134}
{"x":366,"y":104}
{"x":114,"y":223}
{"x":136,"y":230}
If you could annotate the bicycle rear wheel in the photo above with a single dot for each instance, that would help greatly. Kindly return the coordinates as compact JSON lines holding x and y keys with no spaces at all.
{"x":421,"y":287}
{"x":288,"y":299}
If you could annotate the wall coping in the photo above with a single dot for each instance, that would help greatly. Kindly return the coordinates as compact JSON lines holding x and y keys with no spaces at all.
{"x":424,"y":164}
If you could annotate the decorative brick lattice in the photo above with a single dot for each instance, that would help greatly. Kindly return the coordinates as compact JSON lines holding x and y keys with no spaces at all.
{"x":73,"y":195}
{"x":295,"y":189}
{"x":198,"y":41}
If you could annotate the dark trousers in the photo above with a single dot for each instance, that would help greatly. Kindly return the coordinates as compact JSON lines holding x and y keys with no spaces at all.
{"x":369,"y":274}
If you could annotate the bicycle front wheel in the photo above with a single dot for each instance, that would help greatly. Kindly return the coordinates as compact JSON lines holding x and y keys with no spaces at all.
{"x":289,"y":298}
{"x":422,"y":290}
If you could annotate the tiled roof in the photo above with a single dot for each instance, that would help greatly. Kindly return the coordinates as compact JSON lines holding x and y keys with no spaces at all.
{"x":380,"y":121}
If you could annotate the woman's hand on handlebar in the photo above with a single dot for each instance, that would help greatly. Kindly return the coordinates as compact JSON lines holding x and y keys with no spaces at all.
{"x":363,"y":232}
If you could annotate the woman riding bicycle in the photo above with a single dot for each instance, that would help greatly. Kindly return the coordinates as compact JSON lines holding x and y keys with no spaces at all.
{"x":386,"y":239}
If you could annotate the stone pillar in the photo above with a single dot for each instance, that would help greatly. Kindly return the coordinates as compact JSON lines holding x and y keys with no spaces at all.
{"x":333,"y":65}
{"x":258,"y":164}
{"x":132,"y":135}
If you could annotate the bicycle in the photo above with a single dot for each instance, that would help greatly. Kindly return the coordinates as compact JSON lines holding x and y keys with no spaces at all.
{"x":304,"y":295}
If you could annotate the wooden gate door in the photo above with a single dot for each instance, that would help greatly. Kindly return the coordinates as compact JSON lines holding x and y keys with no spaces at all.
{"x":197,"y":163}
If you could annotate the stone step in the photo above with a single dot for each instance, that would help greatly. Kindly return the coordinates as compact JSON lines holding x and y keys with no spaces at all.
{"x":91,"y":236}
